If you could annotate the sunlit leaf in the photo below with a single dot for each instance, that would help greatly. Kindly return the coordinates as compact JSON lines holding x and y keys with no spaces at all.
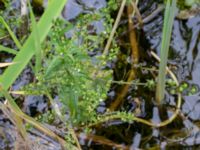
{"x":28,"y":49}
{"x":5,"y":64}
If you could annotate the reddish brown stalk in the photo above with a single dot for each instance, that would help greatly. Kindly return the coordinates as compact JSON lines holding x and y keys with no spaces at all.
{"x":120,"y":97}
{"x":134,"y":56}
{"x":132,"y":37}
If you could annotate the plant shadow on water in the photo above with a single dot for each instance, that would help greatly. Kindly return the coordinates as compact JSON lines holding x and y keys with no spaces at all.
{"x":184,"y":61}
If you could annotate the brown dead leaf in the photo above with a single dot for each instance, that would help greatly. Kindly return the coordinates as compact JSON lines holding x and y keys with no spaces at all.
{"x":6,"y":64}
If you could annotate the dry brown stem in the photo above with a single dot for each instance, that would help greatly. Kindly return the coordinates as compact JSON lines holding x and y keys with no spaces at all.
{"x":134,"y":57}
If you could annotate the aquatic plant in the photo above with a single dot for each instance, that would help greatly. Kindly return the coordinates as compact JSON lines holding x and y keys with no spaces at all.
{"x":81,"y":82}
{"x":74,"y":82}
{"x":166,"y":37}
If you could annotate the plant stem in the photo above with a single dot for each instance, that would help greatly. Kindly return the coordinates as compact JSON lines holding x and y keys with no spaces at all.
{"x":167,"y":29}
{"x":105,"y":52}
{"x":149,"y":123}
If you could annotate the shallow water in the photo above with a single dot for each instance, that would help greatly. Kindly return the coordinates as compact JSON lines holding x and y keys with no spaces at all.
{"x":184,"y":61}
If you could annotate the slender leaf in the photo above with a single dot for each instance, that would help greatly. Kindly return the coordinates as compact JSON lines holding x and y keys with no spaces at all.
{"x":54,"y":65}
{"x":5,"y":64}
{"x":11,"y":33}
{"x":38,"y":50}
{"x":28,"y":50}
{"x":166,"y":37}
{"x":8,"y":50}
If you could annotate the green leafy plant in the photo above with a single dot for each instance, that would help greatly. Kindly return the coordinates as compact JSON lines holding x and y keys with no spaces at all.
{"x":28,"y":48}
{"x":70,"y":70}
{"x":23,"y":57}
{"x":66,"y":72}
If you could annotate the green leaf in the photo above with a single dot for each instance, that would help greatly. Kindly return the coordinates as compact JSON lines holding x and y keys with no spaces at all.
{"x":166,"y":37}
{"x":54,"y":66}
{"x":38,"y":50}
{"x":10,"y":32}
{"x":28,"y":49}
{"x":8,"y":50}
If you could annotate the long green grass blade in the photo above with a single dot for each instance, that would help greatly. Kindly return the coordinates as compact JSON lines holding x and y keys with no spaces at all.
{"x":28,"y":50}
{"x":8,"y":50}
{"x":11,"y":33}
{"x":38,"y":50}
{"x":166,"y":37}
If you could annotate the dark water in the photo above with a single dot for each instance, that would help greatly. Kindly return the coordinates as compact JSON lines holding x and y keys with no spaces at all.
{"x":184,"y":59}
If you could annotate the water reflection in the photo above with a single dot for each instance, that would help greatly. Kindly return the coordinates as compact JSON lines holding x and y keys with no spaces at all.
{"x":185,"y":55}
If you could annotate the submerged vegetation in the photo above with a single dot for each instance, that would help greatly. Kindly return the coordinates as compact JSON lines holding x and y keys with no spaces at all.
{"x":75,"y":65}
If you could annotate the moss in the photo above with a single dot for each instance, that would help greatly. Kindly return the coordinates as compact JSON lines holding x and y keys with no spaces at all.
{"x":181,"y":5}
{"x":186,"y":4}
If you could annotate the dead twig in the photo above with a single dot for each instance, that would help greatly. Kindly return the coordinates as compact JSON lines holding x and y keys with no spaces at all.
{"x":135,"y":59}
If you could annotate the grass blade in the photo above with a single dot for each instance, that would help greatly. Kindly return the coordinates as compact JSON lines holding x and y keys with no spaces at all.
{"x":38,"y":50}
{"x":28,"y":50}
{"x":166,"y":37}
{"x":8,"y":50}
{"x":10,"y":32}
